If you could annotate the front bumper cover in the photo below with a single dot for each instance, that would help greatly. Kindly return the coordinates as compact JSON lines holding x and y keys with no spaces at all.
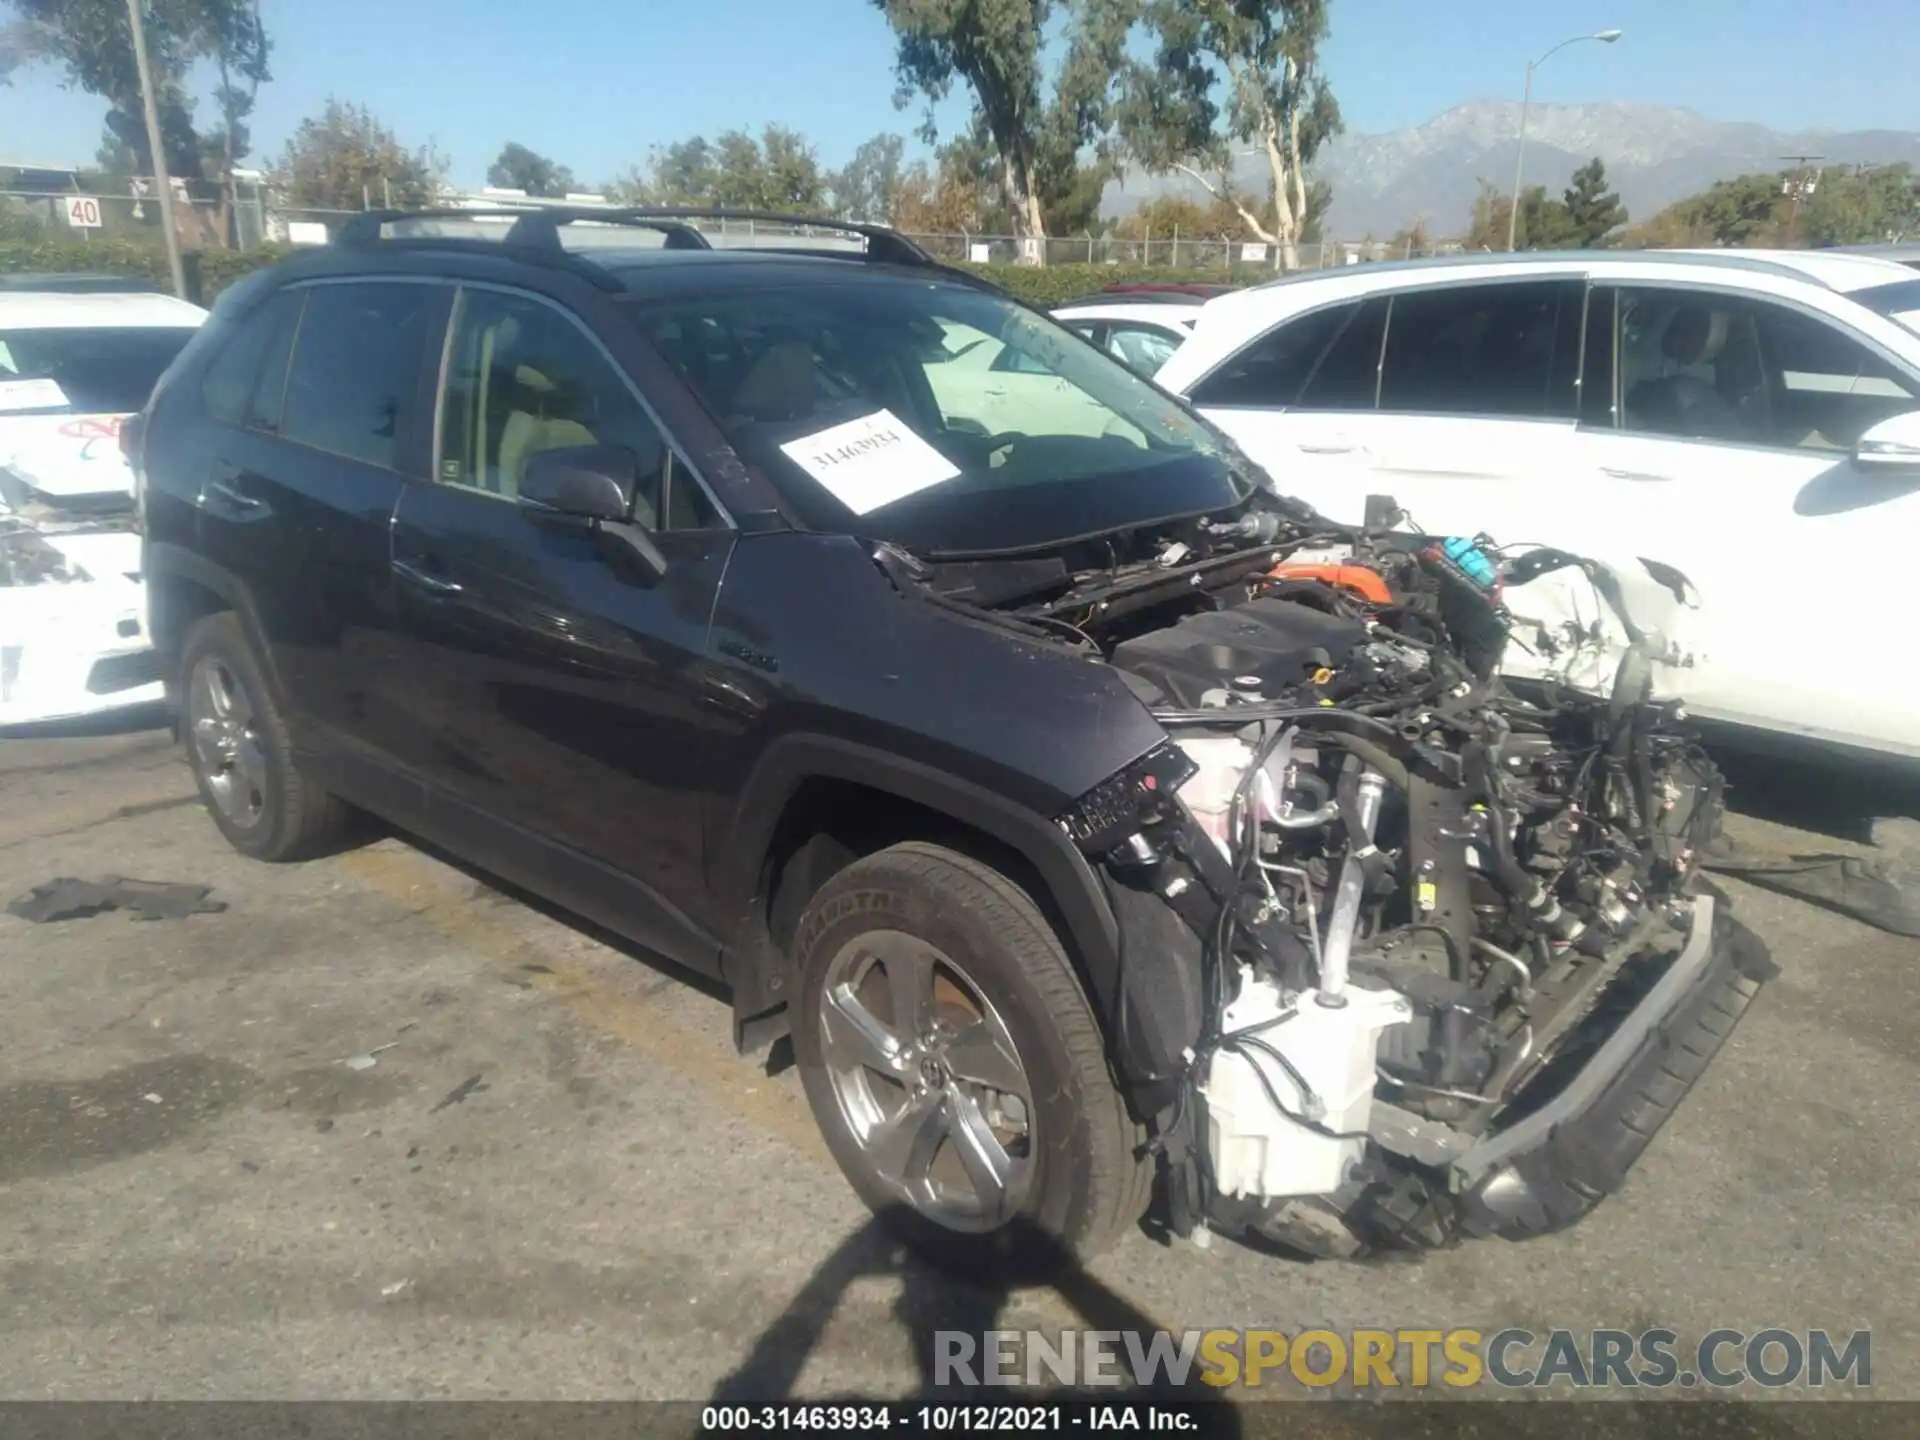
{"x":1548,"y":1169}
{"x":74,"y":649}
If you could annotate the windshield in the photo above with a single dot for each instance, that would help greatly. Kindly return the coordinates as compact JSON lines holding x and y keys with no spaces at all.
{"x":943,"y":418}
{"x":85,"y":371}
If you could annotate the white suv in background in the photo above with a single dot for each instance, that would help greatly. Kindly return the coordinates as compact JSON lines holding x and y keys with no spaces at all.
{"x":1751,"y":419}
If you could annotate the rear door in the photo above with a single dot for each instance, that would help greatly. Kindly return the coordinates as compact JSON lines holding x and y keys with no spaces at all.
{"x":1301,"y":401}
{"x":1725,"y":449}
{"x":1478,"y":398}
{"x":297,"y":497}
{"x":554,"y":686}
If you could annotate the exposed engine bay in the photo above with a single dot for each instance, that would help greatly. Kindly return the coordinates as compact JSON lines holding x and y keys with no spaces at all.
{"x":1423,"y":897}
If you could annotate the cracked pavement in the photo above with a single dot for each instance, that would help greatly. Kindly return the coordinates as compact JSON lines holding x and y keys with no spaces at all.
{"x":557,"y":1180}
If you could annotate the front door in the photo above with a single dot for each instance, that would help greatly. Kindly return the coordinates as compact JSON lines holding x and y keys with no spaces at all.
{"x":556,"y":686}
{"x":1732,"y":458}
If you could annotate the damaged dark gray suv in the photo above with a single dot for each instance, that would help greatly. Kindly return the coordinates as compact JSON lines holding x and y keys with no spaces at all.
{"x":831,"y":623}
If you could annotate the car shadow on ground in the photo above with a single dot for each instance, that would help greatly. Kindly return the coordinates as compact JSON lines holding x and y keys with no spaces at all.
{"x":934,"y":1306}
{"x":946,"y":1313}
{"x":1815,"y":788}
{"x":131,"y":721}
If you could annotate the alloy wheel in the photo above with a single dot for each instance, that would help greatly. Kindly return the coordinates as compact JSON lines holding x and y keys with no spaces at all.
{"x":226,"y":742}
{"x":928,"y":1080}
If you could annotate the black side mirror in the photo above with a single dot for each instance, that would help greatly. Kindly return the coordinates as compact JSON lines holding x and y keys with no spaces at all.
{"x":591,"y":482}
{"x":595,"y":484}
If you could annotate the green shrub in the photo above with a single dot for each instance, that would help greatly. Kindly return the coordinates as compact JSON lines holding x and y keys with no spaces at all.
{"x":1056,"y":284}
{"x":21,"y":248}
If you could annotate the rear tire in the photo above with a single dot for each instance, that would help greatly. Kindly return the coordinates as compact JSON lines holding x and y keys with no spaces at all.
{"x":1005,"y":1004}
{"x":242,"y":758}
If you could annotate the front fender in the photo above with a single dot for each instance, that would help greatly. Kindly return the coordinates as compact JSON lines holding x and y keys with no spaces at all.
{"x":1144,"y":985}
{"x":793,"y":759}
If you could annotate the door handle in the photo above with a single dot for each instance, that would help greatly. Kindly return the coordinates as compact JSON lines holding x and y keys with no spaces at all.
{"x":1336,"y":448}
{"x":233,"y":498}
{"x":432,"y":584}
{"x":1640,"y":476}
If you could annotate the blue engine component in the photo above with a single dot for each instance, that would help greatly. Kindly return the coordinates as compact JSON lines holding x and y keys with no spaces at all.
{"x":1471,"y":561}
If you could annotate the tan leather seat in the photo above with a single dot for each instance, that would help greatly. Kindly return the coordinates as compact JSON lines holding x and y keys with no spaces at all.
{"x":525,"y":436}
{"x":530,"y":428}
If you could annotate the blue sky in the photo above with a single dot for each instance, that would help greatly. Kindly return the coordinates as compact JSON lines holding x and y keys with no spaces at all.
{"x":594,"y":83}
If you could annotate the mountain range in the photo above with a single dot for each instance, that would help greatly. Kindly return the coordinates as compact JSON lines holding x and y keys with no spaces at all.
{"x":1654,"y":156}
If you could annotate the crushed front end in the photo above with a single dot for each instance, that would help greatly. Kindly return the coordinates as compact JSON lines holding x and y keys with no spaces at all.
{"x":1455,"y":963}
{"x":73,"y":624}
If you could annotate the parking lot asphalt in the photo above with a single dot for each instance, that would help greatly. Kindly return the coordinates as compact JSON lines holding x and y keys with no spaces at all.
{"x":555,"y":1179}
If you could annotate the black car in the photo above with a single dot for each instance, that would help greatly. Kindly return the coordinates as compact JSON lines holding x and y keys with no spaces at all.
{"x":991,"y":752}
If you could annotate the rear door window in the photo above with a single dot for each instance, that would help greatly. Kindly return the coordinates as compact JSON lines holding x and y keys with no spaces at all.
{"x":354,"y":384}
{"x":1482,"y":350}
{"x":1347,"y":376}
{"x":1269,"y":372}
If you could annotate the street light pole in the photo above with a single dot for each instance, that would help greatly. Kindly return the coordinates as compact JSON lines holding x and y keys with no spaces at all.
{"x":1605,"y":37}
{"x":162,"y":181}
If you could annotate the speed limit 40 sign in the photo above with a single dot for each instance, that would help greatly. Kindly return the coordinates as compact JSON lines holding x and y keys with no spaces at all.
{"x":83,"y":211}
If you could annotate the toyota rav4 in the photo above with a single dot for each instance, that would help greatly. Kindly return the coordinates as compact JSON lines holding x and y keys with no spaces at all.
{"x":1084,"y":809}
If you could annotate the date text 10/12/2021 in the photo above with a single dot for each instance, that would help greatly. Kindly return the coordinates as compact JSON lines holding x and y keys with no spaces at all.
{"x":953,"y":1419}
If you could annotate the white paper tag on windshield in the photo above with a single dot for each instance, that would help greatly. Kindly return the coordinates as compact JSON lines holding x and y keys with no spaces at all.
{"x":870,"y":462}
{"x":31,"y":395}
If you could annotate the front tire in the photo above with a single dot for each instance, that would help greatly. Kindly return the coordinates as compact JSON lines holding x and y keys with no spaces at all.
{"x":242,"y":758}
{"x":955,"y":1066}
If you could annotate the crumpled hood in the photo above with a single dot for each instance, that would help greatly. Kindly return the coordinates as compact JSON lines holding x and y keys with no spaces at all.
{"x":62,"y":456}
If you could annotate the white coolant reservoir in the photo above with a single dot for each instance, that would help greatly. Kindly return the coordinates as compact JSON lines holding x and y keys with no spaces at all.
{"x":1260,"y":1151}
{"x":1222,"y":760}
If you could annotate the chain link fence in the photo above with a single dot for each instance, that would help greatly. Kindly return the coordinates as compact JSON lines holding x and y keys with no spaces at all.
{"x":202,"y":221}
{"x":204,"y":224}
{"x":1171,"y":252}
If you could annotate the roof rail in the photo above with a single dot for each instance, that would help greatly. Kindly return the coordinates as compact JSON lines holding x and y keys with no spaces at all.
{"x":534,"y":234}
{"x":537,"y":229}
{"x":884,"y":244}
{"x":1706,"y":259}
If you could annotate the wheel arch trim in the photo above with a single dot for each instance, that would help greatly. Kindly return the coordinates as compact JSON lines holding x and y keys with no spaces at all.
{"x":793,"y":759}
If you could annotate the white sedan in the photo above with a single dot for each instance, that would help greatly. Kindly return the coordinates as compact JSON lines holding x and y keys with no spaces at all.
{"x":1140,"y":329}
{"x":73,"y":637}
{"x":1750,"y":421}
